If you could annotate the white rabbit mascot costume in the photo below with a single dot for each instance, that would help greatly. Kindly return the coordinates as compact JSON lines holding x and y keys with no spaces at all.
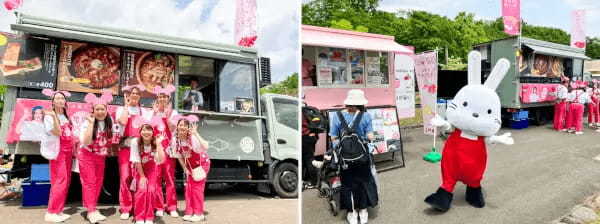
{"x":475,"y":114}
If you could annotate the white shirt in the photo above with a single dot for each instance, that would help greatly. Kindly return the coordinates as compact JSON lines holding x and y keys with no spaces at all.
{"x":85,"y":125}
{"x":171,"y":118}
{"x":578,"y":96}
{"x":562,"y":92}
{"x":134,"y":154}
{"x":132,"y":111}
{"x":49,"y":122}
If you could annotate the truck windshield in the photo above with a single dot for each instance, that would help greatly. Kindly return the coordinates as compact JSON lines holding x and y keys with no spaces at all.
{"x":286,"y":112}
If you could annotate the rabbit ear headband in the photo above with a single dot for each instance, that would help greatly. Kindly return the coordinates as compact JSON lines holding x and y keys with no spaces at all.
{"x":50,"y":93}
{"x":130,"y":88}
{"x":167,"y":90}
{"x":191,"y":118}
{"x":104,"y":99}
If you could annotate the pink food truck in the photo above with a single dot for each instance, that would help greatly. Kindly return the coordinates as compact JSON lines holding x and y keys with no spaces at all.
{"x":335,"y":61}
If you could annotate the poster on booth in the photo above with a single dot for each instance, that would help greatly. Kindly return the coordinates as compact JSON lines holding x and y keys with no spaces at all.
{"x":385,"y":129}
{"x":27,"y":123}
{"x":28,"y":61}
{"x":427,"y":72}
{"x":90,"y":68}
{"x":404,"y":85}
{"x":149,"y":69}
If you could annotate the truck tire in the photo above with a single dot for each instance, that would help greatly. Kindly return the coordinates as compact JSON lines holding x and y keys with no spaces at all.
{"x":285,"y":180}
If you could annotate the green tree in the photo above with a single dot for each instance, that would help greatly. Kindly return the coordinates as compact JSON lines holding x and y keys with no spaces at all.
{"x":289,"y":86}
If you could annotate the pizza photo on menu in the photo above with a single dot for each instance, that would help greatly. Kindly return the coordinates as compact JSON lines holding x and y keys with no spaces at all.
{"x":87,"y":67}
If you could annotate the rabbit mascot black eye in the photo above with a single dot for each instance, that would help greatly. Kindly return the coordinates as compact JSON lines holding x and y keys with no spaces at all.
{"x":475,"y":115}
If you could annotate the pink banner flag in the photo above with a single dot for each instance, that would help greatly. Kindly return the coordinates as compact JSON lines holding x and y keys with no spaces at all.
{"x":511,"y":14}
{"x":245,"y":23}
{"x":426,"y":70}
{"x":12,"y":4}
{"x":578,"y":28}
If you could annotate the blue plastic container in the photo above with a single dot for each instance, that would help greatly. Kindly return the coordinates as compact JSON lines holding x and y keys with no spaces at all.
{"x":35,"y":193}
{"x":40,"y":173}
{"x":519,"y":124}
{"x":520,"y":115}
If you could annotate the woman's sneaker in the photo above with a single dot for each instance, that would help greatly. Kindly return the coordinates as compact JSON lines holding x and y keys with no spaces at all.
{"x":174,"y":214}
{"x":124,"y":216}
{"x":56,"y":218}
{"x":160,"y":213}
{"x":363,"y":215}
{"x":95,"y":217}
{"x":187,"y":218}
{"x":352,"y":218}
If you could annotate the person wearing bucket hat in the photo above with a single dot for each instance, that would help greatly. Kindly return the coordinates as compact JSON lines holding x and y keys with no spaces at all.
{"x":59,"y":143}
{"x":359,"y":187}
{"x":96,"y":140}
{"x":560,"y":107}
{"x":577,"y":98}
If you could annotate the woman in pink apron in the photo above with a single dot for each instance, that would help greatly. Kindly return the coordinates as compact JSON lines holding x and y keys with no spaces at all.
{"x":146,"y":155}
{"x":96,"y":140}
{"x":577,"y":98}
{"x":190,"y":149}
{"x":56,"y":123}
{"x":130,"y":117}
{"x":593,"y":107}
{"x":164,"y":112}
{"x":560,"y":108}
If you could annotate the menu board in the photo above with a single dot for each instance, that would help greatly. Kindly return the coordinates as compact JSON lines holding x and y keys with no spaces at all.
{"x":28,"y":61}
{"x":85,"y":67}
{"x":385,"y":129}
{"x":149,"y":69}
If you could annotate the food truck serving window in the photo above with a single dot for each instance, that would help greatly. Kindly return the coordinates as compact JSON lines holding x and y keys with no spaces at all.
{"x":197,"y":89}
{"x":237,"y":87}
{"x":338,"y":67}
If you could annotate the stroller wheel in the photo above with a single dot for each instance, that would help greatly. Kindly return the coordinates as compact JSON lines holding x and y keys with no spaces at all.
{"x":324,"y":190}
{"x":333,"y":208}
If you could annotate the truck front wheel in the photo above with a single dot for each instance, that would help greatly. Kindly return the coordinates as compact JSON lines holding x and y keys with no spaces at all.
{"x":285,"y":180}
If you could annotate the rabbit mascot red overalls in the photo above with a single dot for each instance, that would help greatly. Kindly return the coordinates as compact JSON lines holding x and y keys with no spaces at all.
{"x":475,"y":114}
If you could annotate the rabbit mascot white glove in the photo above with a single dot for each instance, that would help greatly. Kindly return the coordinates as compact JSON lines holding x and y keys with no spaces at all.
{"x":475,"y":114}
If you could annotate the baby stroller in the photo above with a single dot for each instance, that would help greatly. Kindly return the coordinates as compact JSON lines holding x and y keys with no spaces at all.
{"x":329,"y":184}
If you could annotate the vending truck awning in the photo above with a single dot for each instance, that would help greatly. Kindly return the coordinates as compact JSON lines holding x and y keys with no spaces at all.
{"x":327,"y":37}
{"x":556,"y":52}
{"x":133,"y":39}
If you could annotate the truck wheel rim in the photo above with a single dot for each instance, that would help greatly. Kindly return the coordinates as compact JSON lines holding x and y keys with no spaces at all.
{"x":288,"y":180}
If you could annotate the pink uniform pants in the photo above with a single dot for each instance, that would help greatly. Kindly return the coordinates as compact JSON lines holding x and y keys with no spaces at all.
{"x":91,"y":168}
{"x":575,"y":117}
{"x":125,"y":178}
{"x":194,"y":196}
{"x":560,"y":113}
{"x":60,"y":179}
{"x":166,"y":172}
{"x":593,"y":114}
{"x":145,"y":196}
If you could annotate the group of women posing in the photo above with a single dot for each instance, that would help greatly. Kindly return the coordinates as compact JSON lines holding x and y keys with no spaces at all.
{"x":573,"y":96}
{"x":148,"y":142}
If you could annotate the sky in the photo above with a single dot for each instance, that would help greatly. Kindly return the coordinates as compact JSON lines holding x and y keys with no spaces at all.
{"x":550,"y":13}
{"x":209,"y":20}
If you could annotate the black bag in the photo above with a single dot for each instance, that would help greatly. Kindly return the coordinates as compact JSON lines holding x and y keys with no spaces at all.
{"x":352,"y":150}
{"x":317,"y":123}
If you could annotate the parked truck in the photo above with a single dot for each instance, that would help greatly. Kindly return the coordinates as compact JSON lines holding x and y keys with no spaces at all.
{"x":252,"y":138}
{"x":534,"y":74}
